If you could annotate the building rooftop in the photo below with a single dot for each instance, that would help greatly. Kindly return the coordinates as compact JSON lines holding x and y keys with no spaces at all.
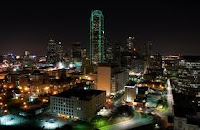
{"x":190,"y":58}
{"x":112,"y":65}
{"x":194,"y":120}
{"x":131,"y":83}
{"x":82,"y":94}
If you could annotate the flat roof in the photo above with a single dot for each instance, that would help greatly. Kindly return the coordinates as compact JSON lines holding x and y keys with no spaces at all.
{"x":82,"y":94}
{"x":190,"y":58}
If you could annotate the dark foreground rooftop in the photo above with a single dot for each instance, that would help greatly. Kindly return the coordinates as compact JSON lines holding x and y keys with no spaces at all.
{"x":82,"y":94}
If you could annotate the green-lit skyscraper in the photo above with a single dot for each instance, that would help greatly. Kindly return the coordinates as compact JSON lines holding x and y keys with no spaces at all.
{"x":96,"y":37}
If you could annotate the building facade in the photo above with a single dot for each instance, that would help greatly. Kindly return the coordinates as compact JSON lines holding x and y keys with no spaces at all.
{"x":78,"y":103}
{"x":60,"y":51}
{"x":110,"y":79}
{"x":52,"y":56}
{"x":189,"y":75}
{"x":104,"y":78}
{"x":186,"y":123}
{"x":54,"y":52}
{"x":130,"y":93}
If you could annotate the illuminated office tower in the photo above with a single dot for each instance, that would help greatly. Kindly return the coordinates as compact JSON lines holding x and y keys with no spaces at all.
{"x":96,"y":37}
{"x":131,"y":44}
{"x":60,"y":51}
{"x":52,"y":56}
{"x":76,"y":52}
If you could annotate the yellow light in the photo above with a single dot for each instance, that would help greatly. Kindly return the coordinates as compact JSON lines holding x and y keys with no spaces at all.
{"x":24,"y":103}
{"x":1,"y":103}
{"x":89,"y":78}
{"x":26,"y":88}
{"x":5,"y":105}
{"x":20,"y":87}
{"x":25,"y":106}
{"x":46,"y":88}
{"x":22,"y":98}
{"x":5,"y":111}
{"x":134,"y":103}
{"x":54,"y":92}
{"x":0,"y":97}
{"x":160,"y":107}
{"x":44,"y":100}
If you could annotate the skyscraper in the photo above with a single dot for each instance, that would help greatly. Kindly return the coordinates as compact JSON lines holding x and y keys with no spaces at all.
{"x":60,"y":51}
{"x":51,"y":52}
{"x":54,"y":52}
{"x":96,"y":37}
{"x":130,"y":43}
{"x":76,"y":52}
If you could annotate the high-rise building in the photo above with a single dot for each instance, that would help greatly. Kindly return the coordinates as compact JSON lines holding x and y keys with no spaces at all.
{"x":96,"y":37}
{"x":60,"y":51}
{"x":189,"y":75}
{"x":54,"y":52}
{"x":26,"y":53}
{"x":109,"y":52}
{"x":131,"y":44}
{"x":76,"y":52}
{"x":83,"y":53}
{"x":52,"y":56}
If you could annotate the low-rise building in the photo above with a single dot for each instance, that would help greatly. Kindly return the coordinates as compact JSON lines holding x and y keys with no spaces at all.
{"x":78,"y":103}
{"x":187,"y":123}
{"x":130,"y":92}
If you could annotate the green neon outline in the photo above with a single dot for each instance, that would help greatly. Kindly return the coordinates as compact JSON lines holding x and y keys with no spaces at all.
{"x":100,"y":52}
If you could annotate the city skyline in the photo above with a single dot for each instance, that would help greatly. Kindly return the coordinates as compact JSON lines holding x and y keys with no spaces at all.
{"x":99,"y":65}
{"x":172,"y":28}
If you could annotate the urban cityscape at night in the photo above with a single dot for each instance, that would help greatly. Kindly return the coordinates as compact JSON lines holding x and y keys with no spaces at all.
{"x":100,"y":65}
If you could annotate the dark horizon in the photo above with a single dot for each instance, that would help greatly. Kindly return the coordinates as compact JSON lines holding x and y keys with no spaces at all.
{"x":173,"y":28}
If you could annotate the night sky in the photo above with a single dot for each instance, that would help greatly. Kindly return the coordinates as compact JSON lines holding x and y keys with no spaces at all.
{"x":173,"y":28}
